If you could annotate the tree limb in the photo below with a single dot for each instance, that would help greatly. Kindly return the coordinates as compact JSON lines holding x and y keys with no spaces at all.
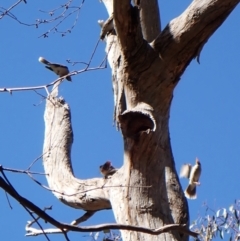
{"x":127,"y":26}
{"x":184,"y":37}
{"x":81,"y":194}
{"x":149,"y":18}
{"x":67,"y":227}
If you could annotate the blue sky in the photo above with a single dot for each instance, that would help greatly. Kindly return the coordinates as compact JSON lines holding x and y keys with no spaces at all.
{"x":204,"y":121}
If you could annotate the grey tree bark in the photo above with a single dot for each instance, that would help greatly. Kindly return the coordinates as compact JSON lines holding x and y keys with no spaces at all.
{"x":146,"y":66}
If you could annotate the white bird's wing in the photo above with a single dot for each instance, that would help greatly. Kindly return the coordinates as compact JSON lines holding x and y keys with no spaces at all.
{"x":185,"y":170}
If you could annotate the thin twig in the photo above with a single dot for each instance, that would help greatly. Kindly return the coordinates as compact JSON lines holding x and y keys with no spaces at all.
{"x":10,"y":8}
{"x":34,"y":161}
{"x":61,"y":17}
{"x":22,"y":171}
{"x":10,"y":90}
{"x":8,"y":200}
{"x":93,"y":53}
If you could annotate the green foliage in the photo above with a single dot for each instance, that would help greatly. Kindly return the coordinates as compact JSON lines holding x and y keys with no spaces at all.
{"x":223,"y":223}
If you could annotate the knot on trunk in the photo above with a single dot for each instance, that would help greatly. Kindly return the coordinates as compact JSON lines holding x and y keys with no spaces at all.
{"x":136,"y":120}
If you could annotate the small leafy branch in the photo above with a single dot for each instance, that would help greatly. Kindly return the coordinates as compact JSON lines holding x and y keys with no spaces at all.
{"x":223,"y":223}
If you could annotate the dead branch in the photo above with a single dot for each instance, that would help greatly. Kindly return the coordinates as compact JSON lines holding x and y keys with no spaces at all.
{"x":34,"y":232}
{"x":66,"y":11}
{"x":21,"y":171}
{"x":61,"y":17}
{"x":186,"y":35}
{"x":58,"y":80}
{"x":5,"y":12}
{"x":67,"y":227}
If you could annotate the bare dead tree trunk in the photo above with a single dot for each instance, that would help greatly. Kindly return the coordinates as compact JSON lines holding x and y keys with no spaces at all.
{"x":145,"y":69}
{"x":146,"y":66}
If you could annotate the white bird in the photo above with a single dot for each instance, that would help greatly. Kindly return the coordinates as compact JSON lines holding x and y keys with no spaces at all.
{"x":58,"y":69}
{"x":193,"y":174}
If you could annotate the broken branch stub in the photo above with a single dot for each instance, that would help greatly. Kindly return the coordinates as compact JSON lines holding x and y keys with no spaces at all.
{"x":136,"y":120}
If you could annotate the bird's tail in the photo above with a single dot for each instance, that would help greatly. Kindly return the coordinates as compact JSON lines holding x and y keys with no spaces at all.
{"x":191,"y":191}
{"x":44,"y":61}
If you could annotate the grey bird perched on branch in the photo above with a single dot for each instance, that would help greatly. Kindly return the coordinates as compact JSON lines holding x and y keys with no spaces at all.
{"x":193,"y":174}
{"x":107,"y":169}
{"x":58,"y":69}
